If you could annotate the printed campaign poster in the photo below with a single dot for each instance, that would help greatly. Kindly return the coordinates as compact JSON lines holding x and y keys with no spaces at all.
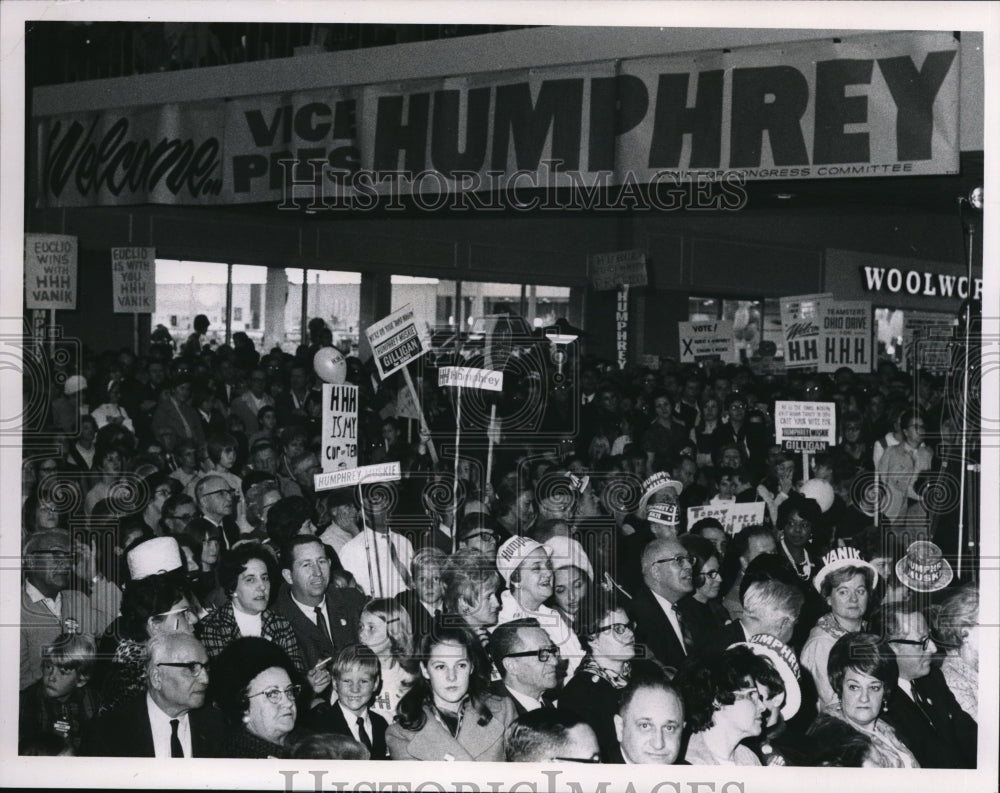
{"x":710,"y":340}
{"x":340,"y":427}
{"x":133,"y":280}
{"x":805,"y":426}
{"x":927,"y":337}
{"x":621,"y":268}
{"x":846,"y":331}
{"x":394,"y":341}
{"x":50,"y":271}
{"x":801,"y":330}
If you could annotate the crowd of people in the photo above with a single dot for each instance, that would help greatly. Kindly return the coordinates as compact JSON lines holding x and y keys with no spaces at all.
{"x":187,"y":592}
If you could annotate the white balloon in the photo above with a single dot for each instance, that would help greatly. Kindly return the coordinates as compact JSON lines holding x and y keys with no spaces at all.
{"x":819,"y":491}
{"x":330,"y":365}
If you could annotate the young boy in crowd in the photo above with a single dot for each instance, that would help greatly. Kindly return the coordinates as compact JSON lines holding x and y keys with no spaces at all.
{"x":62,"y":702}
{"x":357,"y":677}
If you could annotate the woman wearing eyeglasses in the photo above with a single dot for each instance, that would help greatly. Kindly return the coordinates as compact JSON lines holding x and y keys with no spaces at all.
{"x":724,"y":704}
{"x":704,"y":603}
{"x":449,"y":714}
{"x":593,"y":691}
{"x":863,"y":672}
{"x":256,"y":685}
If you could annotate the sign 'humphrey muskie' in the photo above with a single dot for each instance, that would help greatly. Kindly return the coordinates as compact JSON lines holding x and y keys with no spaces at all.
{"x":883,"y":104}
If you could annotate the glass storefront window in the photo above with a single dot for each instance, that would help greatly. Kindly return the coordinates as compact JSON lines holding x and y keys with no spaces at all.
{"x":702,"y":309}
{"x":186,"y":289}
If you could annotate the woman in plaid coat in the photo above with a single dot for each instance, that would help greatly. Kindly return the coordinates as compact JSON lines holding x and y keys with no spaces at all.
{"x":245,"y":574}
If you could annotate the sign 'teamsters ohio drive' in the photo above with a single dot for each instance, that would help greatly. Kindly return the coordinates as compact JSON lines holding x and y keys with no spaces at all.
{"x":872,"y":105}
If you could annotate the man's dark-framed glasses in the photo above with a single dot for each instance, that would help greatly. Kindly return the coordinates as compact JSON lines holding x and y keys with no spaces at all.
{"x":542,"y":653}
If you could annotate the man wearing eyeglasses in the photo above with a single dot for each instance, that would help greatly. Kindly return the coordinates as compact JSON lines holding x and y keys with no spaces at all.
{"x":921,"y":708}
{"x":216,"y":500}
{"x":528,"y":663}
{"x":49,"y":606}
{"x":663,"y":621}
{"x":171,"y":721}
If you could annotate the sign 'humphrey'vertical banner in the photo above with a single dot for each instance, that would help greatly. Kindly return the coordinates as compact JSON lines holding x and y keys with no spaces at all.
{"x":50,"y":271}
{"x":133,"y":280}
{"x":873,"y":105}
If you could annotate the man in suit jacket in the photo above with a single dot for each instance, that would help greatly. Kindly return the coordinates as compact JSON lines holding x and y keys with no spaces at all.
{"x":357,"y":674}
{"x":216,"y":500}
{"x":324,"y":617}
{"x":661,"y":625}
{"x":175,"y":410}
{"x":768,"y":606}
{"x":171,"y":720}
{"x":526,"y":678}
{"x":248,"y":404}
{"x":921,"y":709}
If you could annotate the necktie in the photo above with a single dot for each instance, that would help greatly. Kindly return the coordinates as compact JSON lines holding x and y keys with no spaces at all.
{"x":321,"y":624}
{"x":363,"y":736}
{"x":176,"y":750}
{"x":404,"y":574}
{"x":685,"y":633}
{"x":921,"y":702}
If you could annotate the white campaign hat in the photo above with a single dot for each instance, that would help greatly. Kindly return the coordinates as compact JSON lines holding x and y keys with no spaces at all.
{"x":513,"y":552}
{"x":783,"y":659}
{"x":567,"y":552}
{"x":653,"y":484}
{"x":839,"y":558}
{"x":155,"y":556}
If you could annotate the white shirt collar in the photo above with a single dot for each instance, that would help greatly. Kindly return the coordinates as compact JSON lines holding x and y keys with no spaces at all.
{"x":524,"y":699}
{"x":159,"y":723}
{"x":52,"y":604}
{"x":668,"y":610}
{"x":310,"y":611}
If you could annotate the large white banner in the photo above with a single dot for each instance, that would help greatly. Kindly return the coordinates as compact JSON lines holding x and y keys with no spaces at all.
{"x":882,"y":104}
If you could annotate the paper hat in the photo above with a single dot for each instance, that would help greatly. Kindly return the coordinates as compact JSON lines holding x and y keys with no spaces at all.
{"x":513,"y":552}
{"x":783,"y":659}
{"x":819,"y":491}
{"x":654,"y":484}
{"x":839,"y":558}
{"x":75,"y":384}
{"x":924,"y":568}
{"x":566,"y":552}
{"x":155,"y":556}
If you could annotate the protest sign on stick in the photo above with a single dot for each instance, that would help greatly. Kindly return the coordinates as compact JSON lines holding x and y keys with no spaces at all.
{"x":466,"y":377}
{"x":395,"y":342}
{"x":340,"y":427}
{"x":801,"y":331}
{"x":712,"y":340}
{"x":805,"y":427}
{"x":50,"y":265}
{"x":133,"y":285}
